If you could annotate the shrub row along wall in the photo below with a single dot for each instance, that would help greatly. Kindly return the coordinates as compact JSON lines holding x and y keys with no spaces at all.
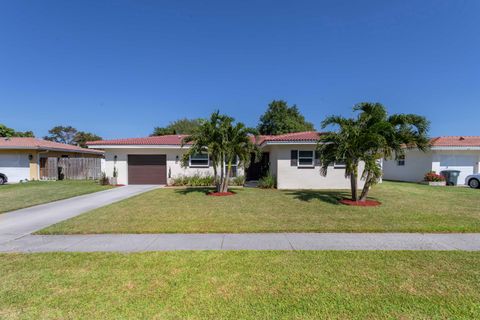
{"x":204,"y":181}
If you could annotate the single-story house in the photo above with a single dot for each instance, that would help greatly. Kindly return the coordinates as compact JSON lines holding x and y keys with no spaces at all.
{"x":23,"y":159}
{"x":157,"y":160}
{"x":446,"y":153}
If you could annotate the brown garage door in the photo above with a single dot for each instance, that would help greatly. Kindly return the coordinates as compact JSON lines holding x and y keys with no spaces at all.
{"x":147,"y":169}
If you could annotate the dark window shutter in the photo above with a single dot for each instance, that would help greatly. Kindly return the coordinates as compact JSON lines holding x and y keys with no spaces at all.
{"x":317,"y":158}
{"x":210,"y":164}
{"x":293,"y":158}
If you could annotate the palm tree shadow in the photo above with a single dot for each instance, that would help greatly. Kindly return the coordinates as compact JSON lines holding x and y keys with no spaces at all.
{"x":204,"y":190}
{"x":331,"y":197}
{"x":186,"y":191}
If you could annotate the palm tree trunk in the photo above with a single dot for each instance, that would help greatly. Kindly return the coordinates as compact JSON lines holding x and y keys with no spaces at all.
{"x":215,"y":176}
{"x":354,"y":185}
{"x":222,"y":173}
{"x":227,"y":177}
{"x":366,"y":188}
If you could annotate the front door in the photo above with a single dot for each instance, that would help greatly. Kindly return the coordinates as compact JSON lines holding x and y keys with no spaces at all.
{"x":259,"y":168}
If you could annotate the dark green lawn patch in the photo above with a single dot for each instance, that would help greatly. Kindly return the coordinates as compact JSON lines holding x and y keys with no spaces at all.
{"x":22,"y":195}
{"x":406,"y":207}
{"x":241,"y":285}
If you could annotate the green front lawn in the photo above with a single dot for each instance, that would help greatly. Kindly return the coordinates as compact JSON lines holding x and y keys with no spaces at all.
{"x":241,"y":285}
{"x":406,"y":207}
{"x":22,"y":195}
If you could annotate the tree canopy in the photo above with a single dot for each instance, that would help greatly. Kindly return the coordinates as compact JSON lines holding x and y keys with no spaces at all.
{"x":82,"y":137}
{"x":70,"y":135}
{"x":280,"y":118}
{"x":180,"y":126}
{"x":368,"y":138}
{"x":9,"y":132}
{"x":225,"y":141}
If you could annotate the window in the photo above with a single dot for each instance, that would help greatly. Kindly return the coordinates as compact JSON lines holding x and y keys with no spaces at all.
{"x":339,"y":164}
{"x":305,"y":158}
{"x":200,"y":160}
{"x":401,"y":160}
{"x":233,"y":171}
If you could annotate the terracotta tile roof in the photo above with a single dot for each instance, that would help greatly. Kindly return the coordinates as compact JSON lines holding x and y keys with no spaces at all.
{"x":155,"y":140}
{"x":39,"y":144}
{"x":177,"y":139}
{"x":451,"y":141}
{"x":456,"y":141}
{"x":297,"y":136}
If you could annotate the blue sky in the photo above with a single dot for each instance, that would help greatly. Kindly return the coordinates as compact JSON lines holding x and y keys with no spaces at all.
{"x":119,"y":68}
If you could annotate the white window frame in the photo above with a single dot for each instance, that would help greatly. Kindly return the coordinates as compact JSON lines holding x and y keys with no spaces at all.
{"x":234,"y":164}
{"x":401,"y":161}
{"x":199,"y":165}
{"x":337,"y":165}
{"x":309,"y":165}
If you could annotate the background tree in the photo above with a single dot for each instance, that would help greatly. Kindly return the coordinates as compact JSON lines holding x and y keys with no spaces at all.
{"x":70,"y":135}
{"x":371,"y":136}
{"x":181,"y":126}
{"x":280,"y":118}
{"x":62,"y":134}
{"x":9,"y":132}
{"x":82,"y":137}
{"x":225,"y":142}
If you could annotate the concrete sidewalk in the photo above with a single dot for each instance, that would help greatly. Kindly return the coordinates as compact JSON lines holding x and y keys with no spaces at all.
{"x":248,"y":241}
{"x":16,"y":224}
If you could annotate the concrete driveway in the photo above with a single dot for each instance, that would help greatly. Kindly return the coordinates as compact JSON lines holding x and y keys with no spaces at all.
{"x":19,"y":223}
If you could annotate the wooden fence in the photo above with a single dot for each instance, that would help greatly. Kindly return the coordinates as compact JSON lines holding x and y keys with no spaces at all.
{"x":70,"y":168}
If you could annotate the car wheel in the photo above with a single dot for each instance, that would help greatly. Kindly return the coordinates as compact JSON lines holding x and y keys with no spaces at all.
{"x":474,"y":183}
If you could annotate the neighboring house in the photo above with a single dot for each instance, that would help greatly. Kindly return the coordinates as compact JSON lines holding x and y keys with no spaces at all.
{"x":157,"y":160}
{"x":447,"y":153}
{"x":23,"y":158}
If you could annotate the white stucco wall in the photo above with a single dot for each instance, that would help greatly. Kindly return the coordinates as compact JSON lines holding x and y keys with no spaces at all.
{"x":291,"y":177}
{"x":174,"y":168}
{"x":272,"y":158}
{"x":417,"y":164}
{"x":466,"y":161}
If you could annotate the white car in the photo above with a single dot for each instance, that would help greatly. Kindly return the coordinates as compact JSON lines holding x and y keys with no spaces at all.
{"x":473,"y":181}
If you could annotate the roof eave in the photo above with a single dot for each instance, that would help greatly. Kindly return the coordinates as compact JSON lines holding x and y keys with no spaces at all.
{"x":139,"y":146}
{"x":297,"y":142}
{"x":99,"y":152}
{"x":465,"y":148}
{"x":18,"y":148}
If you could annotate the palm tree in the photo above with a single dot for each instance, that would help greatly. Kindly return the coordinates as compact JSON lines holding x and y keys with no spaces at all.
{"x":238,"y":148}
{"x":225,"y":142}
{"x":341,"y":146}
{"x":369,"y":138}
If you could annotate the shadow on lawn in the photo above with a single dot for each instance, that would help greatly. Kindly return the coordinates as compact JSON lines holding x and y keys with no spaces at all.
{"x":331,"y":197}
{"x":188,"y":190}
{"x":204,"y":190}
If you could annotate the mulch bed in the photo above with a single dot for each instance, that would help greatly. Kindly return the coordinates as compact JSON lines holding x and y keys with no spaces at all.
{"x":220,"y":194}
{"x":367,"y":203}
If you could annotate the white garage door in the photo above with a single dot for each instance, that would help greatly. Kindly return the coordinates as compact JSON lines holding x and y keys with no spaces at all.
{"x":15,"y":166}
{"x":464,"y":163}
